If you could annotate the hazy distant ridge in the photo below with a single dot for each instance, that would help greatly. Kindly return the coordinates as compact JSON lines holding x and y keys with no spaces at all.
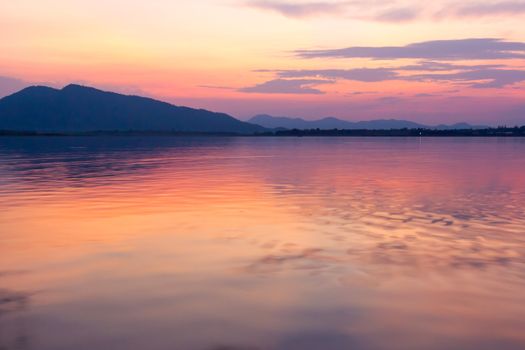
{"x":333,"y":123}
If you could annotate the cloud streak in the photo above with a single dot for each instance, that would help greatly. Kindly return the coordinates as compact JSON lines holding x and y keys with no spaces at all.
{"x":398,"y":15}
{"x":299,"y":10}
{"x":479,"y":78}
{"x":447,"y":50}
{"x":394,"y":11}
{"x":484,"y":9}
{"x":379,"y":10}
{"x":433,"y":66}
{"x":425,"y":70}
{"x":288,"y":86}
{"x":358,"y":74}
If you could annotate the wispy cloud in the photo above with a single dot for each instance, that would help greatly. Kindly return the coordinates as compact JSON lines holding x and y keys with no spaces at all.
{"x":395,"y":11}
{"x":485,"y":9}
{"x":358,"y":74}
{"x":378,"y":10}
{"x":356,"y":93}
{"x":216,"y":87}
{"x":288,"y":86}
{"x":463,"y":49}
{"x":300,"y":10}
{"x":427,"y":69}
{"x":398,"y":15}
{"x":478,"y":78}
{"x":425,"y":95}
{"x":433,"y":66}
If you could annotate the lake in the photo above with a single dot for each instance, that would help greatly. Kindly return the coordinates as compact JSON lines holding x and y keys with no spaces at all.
{"x":218,"y":243}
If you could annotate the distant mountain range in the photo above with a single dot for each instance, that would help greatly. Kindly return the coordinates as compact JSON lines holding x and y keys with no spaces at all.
{"x":82,"y":109}
{"x":78,"y":108}
{"x":271,"y":122}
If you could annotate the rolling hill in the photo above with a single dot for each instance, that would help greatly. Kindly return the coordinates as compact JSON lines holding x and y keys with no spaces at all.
{"x":78,"y":108}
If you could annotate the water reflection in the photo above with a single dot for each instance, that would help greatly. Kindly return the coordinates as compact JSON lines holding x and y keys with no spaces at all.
{"x":12,"y":301}
{"x":13,"y":329}
{"x":247,"y":243}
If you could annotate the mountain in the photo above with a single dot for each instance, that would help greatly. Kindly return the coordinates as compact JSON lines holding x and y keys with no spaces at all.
{"x":333,"y":123}
{"x":78,"y":108}
{"x":459,"y":126}
{"x":298,"y":123}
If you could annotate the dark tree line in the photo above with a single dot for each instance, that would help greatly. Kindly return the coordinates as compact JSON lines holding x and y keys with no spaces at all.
{"x":490,"y":132}
{"x":502,"y":131}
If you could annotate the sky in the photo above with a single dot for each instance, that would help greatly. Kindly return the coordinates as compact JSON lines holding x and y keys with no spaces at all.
{"x":437,"y":62}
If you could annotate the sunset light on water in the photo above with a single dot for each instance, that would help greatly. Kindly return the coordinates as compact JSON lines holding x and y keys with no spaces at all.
{"x":262,"y":175}
{"x":134,"y":243}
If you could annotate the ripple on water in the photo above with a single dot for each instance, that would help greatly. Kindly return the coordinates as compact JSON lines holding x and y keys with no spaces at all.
{"x":262,"y":243}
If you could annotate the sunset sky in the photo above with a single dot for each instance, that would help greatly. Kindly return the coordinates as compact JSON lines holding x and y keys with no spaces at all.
{"x":431,"y":62}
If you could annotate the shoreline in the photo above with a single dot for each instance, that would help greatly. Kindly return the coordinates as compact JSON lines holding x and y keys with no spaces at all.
{"x":490,"y":132}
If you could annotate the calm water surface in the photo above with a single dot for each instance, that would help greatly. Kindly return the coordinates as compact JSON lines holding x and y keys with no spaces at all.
{"x":262,"y":243}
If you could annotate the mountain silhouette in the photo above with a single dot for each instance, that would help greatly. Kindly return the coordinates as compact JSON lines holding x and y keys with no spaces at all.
{"x":333,"y":123}
{"x":78,"y":108}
